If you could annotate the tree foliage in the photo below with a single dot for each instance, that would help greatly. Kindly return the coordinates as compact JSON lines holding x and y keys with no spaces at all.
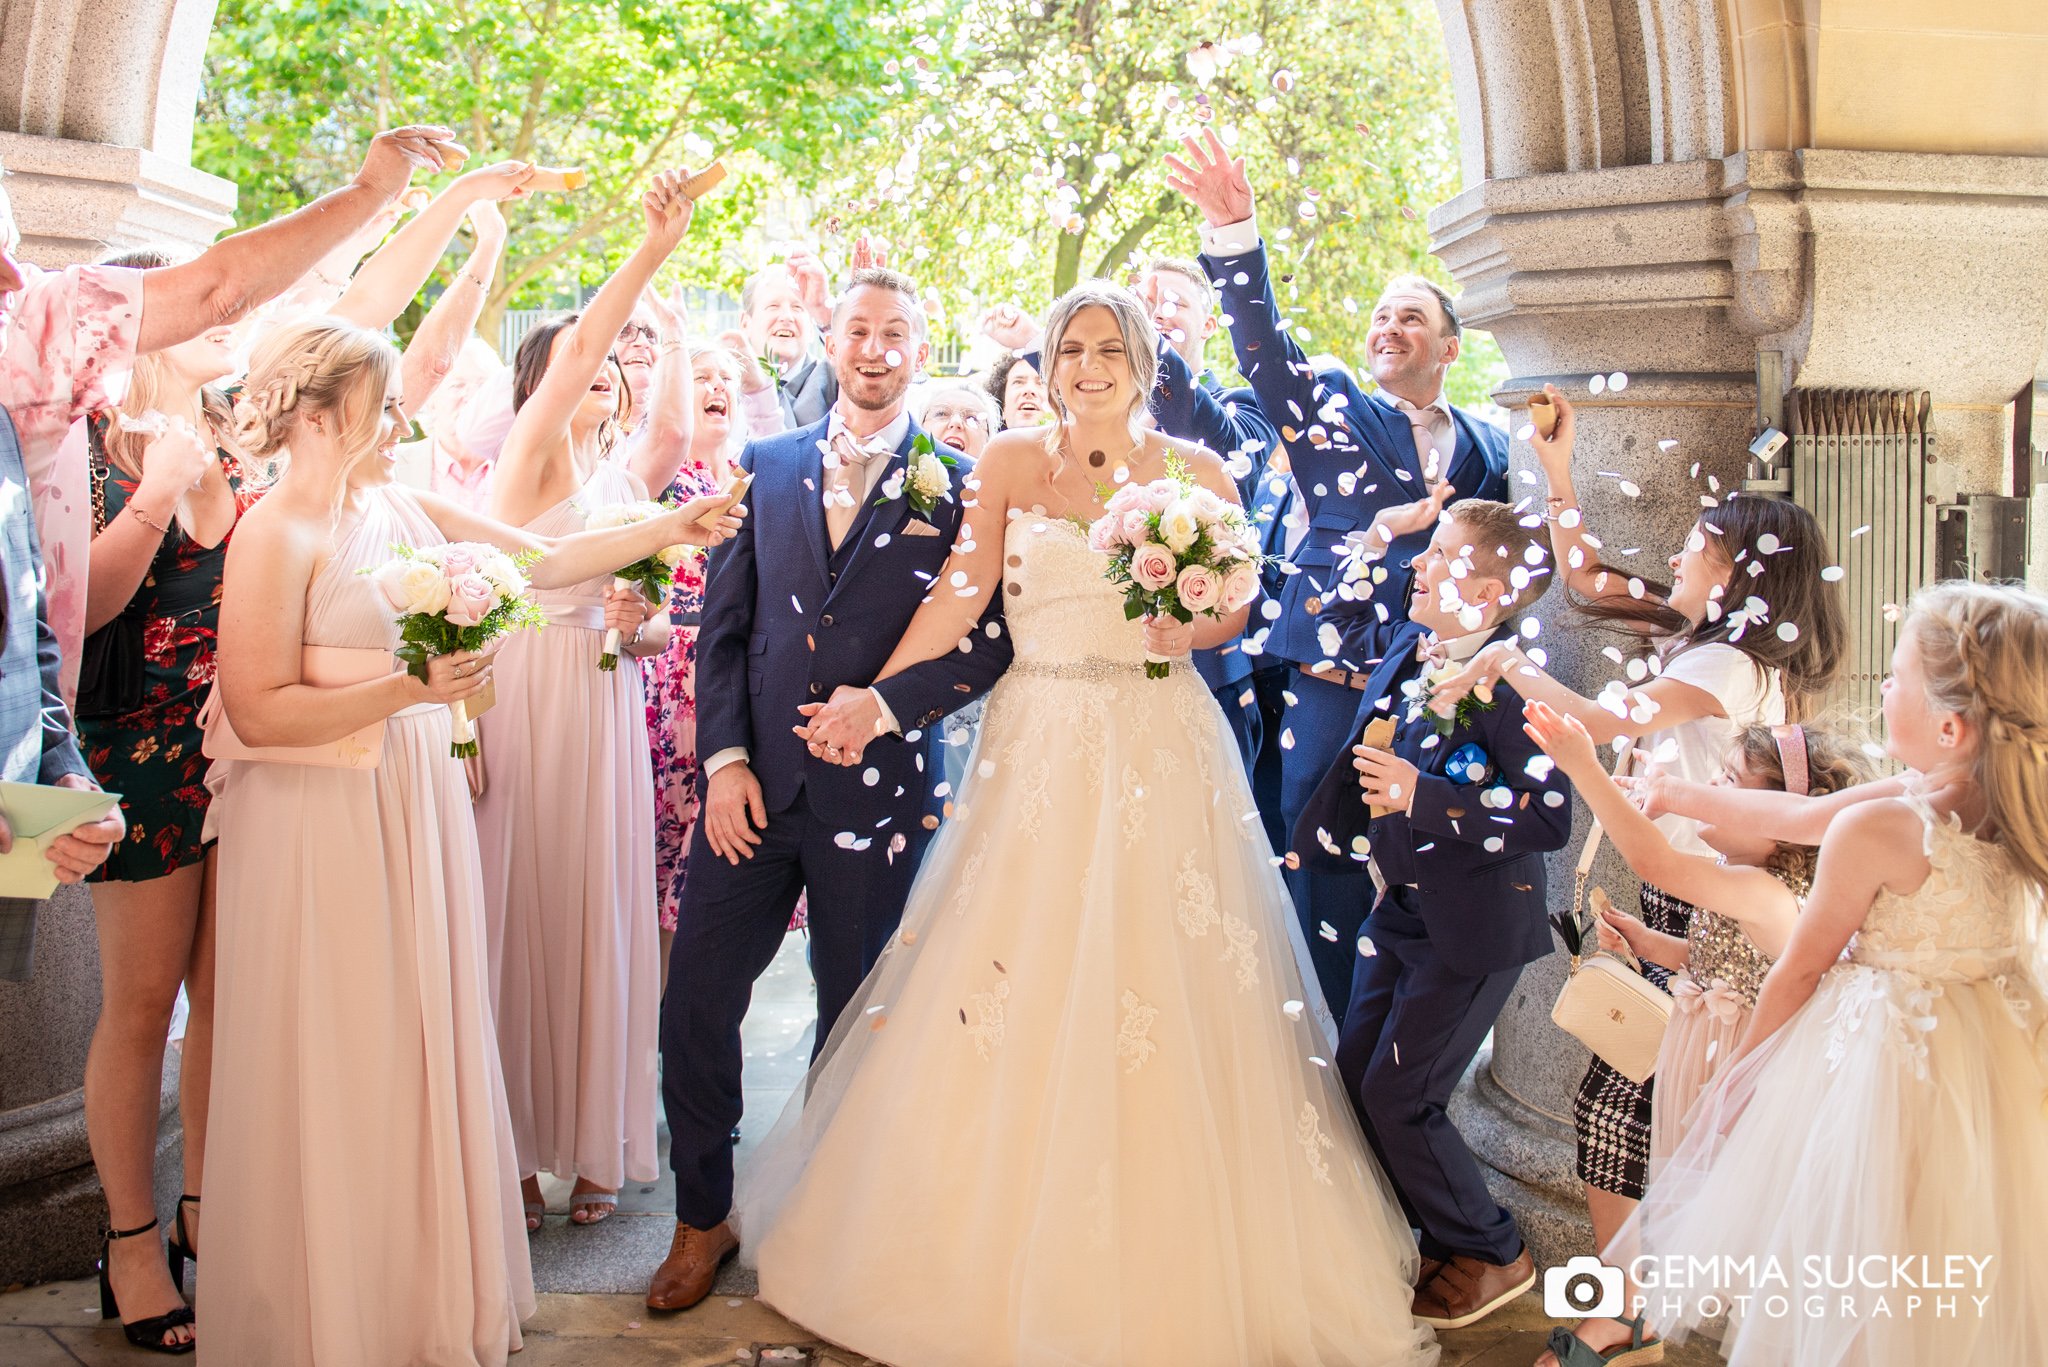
{"x":1007,"y":148}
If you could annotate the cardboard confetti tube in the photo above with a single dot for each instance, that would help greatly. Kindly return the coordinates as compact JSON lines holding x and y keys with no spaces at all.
{"x":1379,"y":735}
{"x":557,"y":179}
{"x":1542,"y":414}
{"x":705,"y":181}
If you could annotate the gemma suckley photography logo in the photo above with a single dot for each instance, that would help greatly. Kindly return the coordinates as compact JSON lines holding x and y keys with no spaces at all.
{"x":1817,"y":1286}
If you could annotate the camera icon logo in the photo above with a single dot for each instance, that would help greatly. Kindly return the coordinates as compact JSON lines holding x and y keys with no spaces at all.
{"x":1583,"y":1286}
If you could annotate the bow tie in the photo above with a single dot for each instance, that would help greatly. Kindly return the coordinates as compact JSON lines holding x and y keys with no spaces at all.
{"x":852,"y":452}
{"x":1430,"y":651}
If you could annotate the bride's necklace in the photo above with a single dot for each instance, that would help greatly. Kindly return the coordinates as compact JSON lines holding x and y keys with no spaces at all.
{"x":1098,"y":467}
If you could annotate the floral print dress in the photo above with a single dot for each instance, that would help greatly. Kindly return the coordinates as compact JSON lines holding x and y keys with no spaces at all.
{"x":151,"y":755}
{"x":671,"y":687}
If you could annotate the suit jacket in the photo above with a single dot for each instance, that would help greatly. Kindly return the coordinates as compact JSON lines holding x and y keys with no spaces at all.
{"x":781,"y":628}
{"x":808,"y":392}
{"x":1479,"y":867}
{"x":1338,"y":437}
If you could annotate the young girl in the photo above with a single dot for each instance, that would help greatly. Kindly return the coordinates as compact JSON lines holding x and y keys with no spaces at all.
{"x":1743,"y":901}
{"x":1879,"y":1136}
{"x":1746,"y":628}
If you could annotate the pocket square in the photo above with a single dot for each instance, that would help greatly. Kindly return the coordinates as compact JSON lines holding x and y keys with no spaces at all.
{"x":917,"y":527}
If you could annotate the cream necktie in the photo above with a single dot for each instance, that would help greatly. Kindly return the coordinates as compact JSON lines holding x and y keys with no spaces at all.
{"x":846,"y":484}
{"x":1430,"y":458}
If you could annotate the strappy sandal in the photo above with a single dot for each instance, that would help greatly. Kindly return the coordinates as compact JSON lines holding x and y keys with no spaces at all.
{"x":178,"y":1250}
{"x":536,"y":1211}
{"x":599,"y":1204}
{"x":150,"y":1333}
{"x":1573,"y":1351}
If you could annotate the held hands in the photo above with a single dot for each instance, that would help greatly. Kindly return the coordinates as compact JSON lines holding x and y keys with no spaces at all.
{"x":734,"y":812}
{"x":82,"y":849}
{"x":395,"y":155}
{"x":1212,"y":179}
{"x":451,"y":678}
{"x":1011,"y":328}
{"x":1168,"y":636}
{"x":1564,"y":738}
{"x":840,"y":729}
{"x":1385,"y":778}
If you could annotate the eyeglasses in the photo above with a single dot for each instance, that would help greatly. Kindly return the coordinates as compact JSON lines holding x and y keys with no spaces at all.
{"x":638,"y":332}
{"x":939,"y":417}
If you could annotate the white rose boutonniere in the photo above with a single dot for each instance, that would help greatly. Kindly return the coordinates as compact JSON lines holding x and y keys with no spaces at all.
{"x":926,"y":479}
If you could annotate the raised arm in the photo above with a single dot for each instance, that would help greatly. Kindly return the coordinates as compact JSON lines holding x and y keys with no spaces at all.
{"x":523,"y":476}
{"x":431,"y":353}
{"x":1794,"y":819}
{"x":238,"y":273}
{"x":1576,"y":552}
{"x":1753,"y":897}
{"x":658,"y":449}
{"x":123,"y":550}
{"x":391,"y":277}
{"x":567,"y":560}
{"x":1632,"y":712}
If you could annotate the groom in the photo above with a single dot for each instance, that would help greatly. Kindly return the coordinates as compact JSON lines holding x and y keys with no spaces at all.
{"x":811,"y":596}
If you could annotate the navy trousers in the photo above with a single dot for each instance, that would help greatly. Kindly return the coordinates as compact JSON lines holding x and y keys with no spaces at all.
{"x":1413,"y":1027}
{"x":728,"y":928}
{"x":1315,"y":729}
{"x":1243,"y":718}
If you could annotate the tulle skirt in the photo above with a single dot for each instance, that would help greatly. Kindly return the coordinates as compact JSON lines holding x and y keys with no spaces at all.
{"x":1869,"y":1187}
{"x":1081,"y":1112}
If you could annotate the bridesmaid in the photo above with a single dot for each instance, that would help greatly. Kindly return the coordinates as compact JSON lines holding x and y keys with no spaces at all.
{"x":361,"y":1191}
{"x":671,"y":676}
{"x":566,"y":819}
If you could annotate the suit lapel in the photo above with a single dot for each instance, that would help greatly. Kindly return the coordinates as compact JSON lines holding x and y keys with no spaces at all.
{"x":811,"y":497}
{"x":1400,"y":438}
{"x":1468,"y":465}
{"x":886,"y":517}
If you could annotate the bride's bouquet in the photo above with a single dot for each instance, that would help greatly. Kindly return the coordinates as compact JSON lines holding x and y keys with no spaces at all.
{"x":458,"y":596}
{"x":651,"y":576}
{"x":1177,"y":550}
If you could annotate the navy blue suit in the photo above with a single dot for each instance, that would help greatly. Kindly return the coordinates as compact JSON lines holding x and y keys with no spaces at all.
{"x":1338,"y":439}
{"x":1463,"y":911}
{"x":786,"y":621}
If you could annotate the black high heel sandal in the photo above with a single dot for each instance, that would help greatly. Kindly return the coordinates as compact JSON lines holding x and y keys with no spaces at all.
{"x":147,"y":1333}
{"x":178,"y":1249}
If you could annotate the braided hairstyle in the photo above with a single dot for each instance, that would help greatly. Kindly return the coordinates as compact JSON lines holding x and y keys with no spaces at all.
{"x":1984,"y":650}
{"x":321,"y":365}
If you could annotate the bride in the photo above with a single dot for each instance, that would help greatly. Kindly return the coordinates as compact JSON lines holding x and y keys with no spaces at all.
{"x":1081,"y":1111}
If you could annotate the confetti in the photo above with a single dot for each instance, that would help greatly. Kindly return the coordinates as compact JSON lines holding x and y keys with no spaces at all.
{"x":1294,"y":1010}
{"x":1327,"y":931}
{"x":1597,"y":385}
{"x":1617,"y":382}
{"x":1833,"y":574}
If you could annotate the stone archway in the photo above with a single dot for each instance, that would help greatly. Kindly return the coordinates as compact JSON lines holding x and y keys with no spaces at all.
{"x":1662,"y":187}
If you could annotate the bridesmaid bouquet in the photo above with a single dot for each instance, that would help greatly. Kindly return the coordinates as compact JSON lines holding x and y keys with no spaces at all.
{"x":1177,"y":550}
{"x":651,"y":576}
{"x":458,"y":596}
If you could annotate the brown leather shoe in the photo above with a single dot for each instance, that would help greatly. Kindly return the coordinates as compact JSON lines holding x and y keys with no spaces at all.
{"x":1426,"y":1273}
{"x":1467,"y":1290}
{"x":692,"y":1264}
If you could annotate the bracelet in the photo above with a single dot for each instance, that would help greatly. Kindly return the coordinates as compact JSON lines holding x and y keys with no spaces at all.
{"x":144,"y":520}
{"x":483,"y":285}
{"x":672,"y":346}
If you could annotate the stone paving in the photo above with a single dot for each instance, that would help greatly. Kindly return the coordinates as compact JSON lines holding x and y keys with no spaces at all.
{"x":591,"y":1280}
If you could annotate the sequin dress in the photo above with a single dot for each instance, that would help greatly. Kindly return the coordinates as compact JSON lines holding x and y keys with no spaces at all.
{"x":1080,"y":1113}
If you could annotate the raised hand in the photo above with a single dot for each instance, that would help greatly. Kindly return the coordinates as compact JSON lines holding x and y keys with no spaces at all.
{"x":1405,"y":518}
{"x":869,"y":254}
{"x":1011,"y":328}
{"x":1554,"y":452}
{"x":813,"y":285}
{"x":488,"y":222}
{"x":667,"y":320}
{"x":1562,"y":737}
{"x":173,"y":464}
{"x":667,"y":209}
{"x":754,"y":376}
{"x":686,"y":524}
{"x":1212,"y":179}
{"x":501,"y":181}
{"x":395,"y":155}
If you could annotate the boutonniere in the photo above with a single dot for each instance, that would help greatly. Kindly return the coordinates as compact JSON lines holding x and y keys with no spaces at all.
{"x":927,"y":477}
{"x":1421,"y":691}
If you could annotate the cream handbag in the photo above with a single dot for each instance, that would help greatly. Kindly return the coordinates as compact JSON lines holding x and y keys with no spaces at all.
{"x":1607,"y":1004}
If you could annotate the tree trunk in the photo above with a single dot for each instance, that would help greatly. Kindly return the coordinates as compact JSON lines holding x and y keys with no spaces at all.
{"x":1066,"y":261}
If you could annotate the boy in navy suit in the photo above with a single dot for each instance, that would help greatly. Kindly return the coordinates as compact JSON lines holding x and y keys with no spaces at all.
{"x":1470,"y":806}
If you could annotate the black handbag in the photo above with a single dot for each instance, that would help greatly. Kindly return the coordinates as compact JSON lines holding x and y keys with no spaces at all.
{"x":110,"y":668}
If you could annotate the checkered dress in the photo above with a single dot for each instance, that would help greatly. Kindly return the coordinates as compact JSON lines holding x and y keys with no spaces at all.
{"x":1612,"y":1114}
{"x":36,"y":745}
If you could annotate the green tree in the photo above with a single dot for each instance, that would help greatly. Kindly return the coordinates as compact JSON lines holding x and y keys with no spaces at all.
{"x":622,"y":88}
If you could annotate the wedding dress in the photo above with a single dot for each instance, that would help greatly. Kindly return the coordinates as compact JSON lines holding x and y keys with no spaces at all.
{"x":1873,"y":1179}
{"x":1082,"y":1110}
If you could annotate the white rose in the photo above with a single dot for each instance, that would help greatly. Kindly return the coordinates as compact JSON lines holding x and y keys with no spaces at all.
{"x":413,"y":586}
{"x":1179,"y":525}
{"x":1209,"y":504}
{"x":929,"y":478}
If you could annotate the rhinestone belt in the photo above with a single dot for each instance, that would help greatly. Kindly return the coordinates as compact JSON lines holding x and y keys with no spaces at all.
{"x":1094,"y":668}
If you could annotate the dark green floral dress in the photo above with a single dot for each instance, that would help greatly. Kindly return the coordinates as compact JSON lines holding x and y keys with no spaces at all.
{"x":151,"y":755}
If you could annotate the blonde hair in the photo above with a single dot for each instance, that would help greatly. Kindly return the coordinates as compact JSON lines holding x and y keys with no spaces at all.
{"x":322,"y":365}
{"x":1984,"y":650}
{"x":1141,"y":349}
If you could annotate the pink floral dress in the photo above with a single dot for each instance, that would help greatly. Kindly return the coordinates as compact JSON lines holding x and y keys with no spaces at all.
{"x":66,"y":349}
{"x":671,"y":687}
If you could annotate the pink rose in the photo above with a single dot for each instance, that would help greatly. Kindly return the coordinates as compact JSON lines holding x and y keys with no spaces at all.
{"x":470,"y":600}
{"x":1124,"y":499}
{"x":1198,"y":588}
{"x":1240,"y":586}
{"x":1152,"y":566}
{"x":1102,"y":533}
{"x":457,"y":560}
{"x":1137,"y":526}
{"x":1160,"y":495}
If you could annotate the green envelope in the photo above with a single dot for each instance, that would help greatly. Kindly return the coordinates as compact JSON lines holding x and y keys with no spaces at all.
{"x":38,"y":815}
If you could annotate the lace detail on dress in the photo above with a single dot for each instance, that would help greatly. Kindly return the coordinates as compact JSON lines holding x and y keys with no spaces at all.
{"x":1197,"y":898}
{"x":970,"y":874}
{"x":1242,"y":950}
{"x":986,"y":1030}
{"x":1133,"y":1041}
{"x":1869,"y":1000}
{"x":1962,"y":924}
{"x":1032,"y":818}
{"x":1132,"y":805}
{"x":1308,"y":1132}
